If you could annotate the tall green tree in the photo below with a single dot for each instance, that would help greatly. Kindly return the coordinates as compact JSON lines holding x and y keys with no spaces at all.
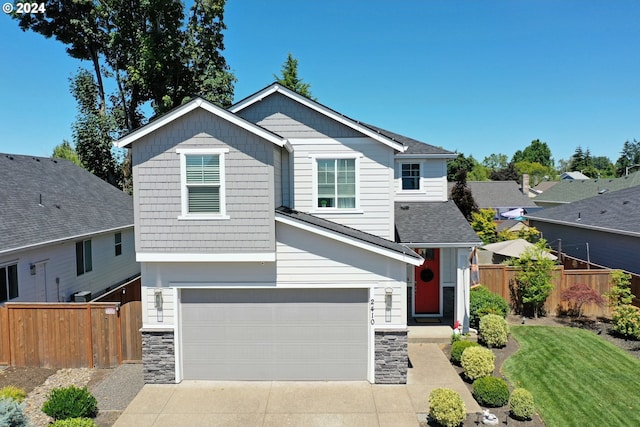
{"x":67,"y":152}
{"x":536,"y":151}
{"x":629,"y":156}
{"x":508,"y":173}
{"x":495,"y":161}
{"x":462,"y":197}
{"x":289,"y":78}
{"x":461,"y":162}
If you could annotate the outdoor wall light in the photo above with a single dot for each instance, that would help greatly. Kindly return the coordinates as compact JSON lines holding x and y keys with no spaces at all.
{"x":388,"y":299}
{"x":158,"y":299}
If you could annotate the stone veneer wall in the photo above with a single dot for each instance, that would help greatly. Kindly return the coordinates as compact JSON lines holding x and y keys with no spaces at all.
{"x":392,"y":357}
{"x":158,"y":356}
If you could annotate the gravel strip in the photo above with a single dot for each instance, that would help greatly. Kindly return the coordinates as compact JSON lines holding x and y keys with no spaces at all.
{"x":119,"y":387}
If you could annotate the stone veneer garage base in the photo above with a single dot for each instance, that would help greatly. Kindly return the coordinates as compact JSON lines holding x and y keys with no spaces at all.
{"x":158,"y":356}
{"x":392,"y":357}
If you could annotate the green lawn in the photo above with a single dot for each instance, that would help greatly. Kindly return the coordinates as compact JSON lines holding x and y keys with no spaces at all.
{"x":576,"y":378}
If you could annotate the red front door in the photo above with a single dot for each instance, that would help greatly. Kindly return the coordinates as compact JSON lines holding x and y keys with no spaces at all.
{"x":427,"y":288}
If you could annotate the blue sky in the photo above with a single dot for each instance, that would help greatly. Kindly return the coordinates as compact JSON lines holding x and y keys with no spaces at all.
{"x":476,"y":77}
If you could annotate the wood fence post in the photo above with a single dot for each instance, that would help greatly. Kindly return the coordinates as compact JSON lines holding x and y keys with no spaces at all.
{"x":90,"y":335}
{"x":119,"y":329}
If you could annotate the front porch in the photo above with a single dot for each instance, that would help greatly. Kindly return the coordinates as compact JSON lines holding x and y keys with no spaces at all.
{"x":432,"y":329}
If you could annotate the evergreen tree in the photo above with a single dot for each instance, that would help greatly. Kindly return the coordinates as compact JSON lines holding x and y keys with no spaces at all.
{"x":67,"y":152}
{"x":289,"y":78}
{"x":462,"y":197}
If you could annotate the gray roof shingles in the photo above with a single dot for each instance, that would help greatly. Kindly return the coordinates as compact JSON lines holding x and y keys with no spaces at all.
{"x":346,"y":231}
{"x":568,"y":190}
{"x":433,"y":223}
{"x":413,"y":146}
{"x":618,"y":211}
{"x":74,"y":202}
{"x":497,"y":194}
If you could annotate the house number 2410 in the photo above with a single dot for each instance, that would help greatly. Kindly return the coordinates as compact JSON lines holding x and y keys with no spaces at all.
{"x":373,"y":321}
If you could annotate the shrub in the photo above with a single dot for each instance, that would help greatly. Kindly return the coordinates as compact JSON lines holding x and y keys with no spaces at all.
{"x":620,"y":292}
{"x":12,"y":413}
{"x":625,"y":320}
{"x":483,"y":302}
{"x":491,"y":391}
{"x":446,"y":407}
{"x":477,"y":362}
{"x":70,"y":402}
{"x":11,"y":392}
{"x":521,"y":404}
{"x":458,"y":347}
{"x":578,"y":295}
{"x":494,"y":331}
{"x":75,"y":422}
{"x":533,"y":284}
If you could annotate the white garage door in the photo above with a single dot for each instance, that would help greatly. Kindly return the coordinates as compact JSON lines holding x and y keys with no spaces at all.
{"x":274,"y":334}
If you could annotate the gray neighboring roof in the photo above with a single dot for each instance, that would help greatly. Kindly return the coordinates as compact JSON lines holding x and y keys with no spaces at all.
{"x":573,"y":175}
{"x":507,"y":224}
{"x":347,"y":231}
{"x":617,"y":212}
{"x":433,"y":223}
{"x":413,"y":146}
{"x":74,"y":202}
{"x":567,"y":191}
{"x":497,"y":194}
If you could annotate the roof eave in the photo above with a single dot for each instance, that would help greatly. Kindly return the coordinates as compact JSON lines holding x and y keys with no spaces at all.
{"x":585,"y":226}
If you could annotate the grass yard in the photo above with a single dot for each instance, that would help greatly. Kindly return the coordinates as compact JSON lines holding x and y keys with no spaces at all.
{"x":576,"y":378}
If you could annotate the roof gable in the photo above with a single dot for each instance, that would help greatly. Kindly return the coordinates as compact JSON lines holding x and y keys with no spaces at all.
{"x":194,"y":104}
{"x":315,"y":106}
{"x":47,"y":200}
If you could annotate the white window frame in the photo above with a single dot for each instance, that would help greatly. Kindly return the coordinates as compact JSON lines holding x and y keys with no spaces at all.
{"x":421,"y":166}
{"x":87,"y":264}
{"x":184,"y":192}
{"x":342,"y":156}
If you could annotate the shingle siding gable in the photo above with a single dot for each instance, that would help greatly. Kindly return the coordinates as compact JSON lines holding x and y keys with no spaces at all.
{"x":249,"y":176}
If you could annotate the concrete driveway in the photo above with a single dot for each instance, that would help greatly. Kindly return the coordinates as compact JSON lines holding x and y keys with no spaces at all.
{"x":279,"y":403}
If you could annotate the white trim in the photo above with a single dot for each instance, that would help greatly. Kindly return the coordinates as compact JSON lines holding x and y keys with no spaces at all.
{"x":207,"y":106}
{"x":421,"y":169}
{"x":65,"y":239}
{"x":403,"y":156}
{"x":314,"y":181}
{"x":350,"y":241}
{"x":320,"y":109}
{"x":220,"y":152}
{"x":462,"y":245}
{"x":177,"y":334}
{"x":584,"y":226}
{"x":191,"y":257}
{"x":156,"y":327}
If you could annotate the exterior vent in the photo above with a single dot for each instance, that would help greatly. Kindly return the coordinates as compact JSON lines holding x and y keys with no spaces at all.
{"x":82,"y":296}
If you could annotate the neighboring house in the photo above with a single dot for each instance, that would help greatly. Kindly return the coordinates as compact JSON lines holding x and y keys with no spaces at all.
{"x":511,"y":225}
{"x":567,"y":191}
{"x":272,"y":247}
{"x":604,"y":229}
{"x":573,"y":175}
{"x":62,"y":231}
{"x":501,"y":196}
{"x":541,"y":187}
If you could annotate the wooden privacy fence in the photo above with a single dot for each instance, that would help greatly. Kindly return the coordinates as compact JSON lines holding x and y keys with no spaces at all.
{"x":70,"y":335}
{"x":125,"y":293}
{"x":497,"y":278}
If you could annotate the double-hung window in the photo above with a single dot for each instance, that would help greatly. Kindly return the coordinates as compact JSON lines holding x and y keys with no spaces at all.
{"x":84,"y":263}
{"x":336,"y":183}
{"x":410,"y":176}
{"x":8,"y":282}
{"x":203,"y":192}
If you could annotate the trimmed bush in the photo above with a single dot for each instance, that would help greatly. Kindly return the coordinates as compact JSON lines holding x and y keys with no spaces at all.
{"x":70,"y":402}
{"x":446,"y":407}
{"x":494,"y":331}
{"x":521,"y":404}
{"x":458,"y":347}
{"x":625,"y":320}
{"x":482,"y":302}
{"x":12,"y":413}
{"x":75,"y":422}
{"x":11,"y":392}
{"x":477,"y":362}
{"x":491,"y":391}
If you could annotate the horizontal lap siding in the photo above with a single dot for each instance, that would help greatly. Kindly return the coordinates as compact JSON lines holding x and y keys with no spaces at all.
{"x":433,"y":181}
{"x":249,"y":175}
{"x":375,"y":176}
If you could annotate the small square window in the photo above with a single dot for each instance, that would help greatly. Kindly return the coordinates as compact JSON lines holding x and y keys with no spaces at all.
{"x":410,"y":176}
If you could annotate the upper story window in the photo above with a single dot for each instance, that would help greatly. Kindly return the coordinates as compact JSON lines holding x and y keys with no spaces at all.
{"x":336,"y":183}
{"x":203,"y":189}
{"x":410,"y":176}
{"x":8,"y":282}
{"x":118,"y":243}
{"x":84,"y":262}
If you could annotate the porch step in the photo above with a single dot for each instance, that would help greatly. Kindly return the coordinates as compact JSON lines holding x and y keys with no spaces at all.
{"x":429,"y":334}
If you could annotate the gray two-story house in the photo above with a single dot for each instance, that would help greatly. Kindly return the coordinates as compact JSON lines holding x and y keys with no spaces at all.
{"x":269,"y":245}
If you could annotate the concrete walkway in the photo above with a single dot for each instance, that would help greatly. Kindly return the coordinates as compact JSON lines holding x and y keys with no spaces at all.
{"x":279,"y":403}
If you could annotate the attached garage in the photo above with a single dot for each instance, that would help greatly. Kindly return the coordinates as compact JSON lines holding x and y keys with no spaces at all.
{"x":274,"y":334}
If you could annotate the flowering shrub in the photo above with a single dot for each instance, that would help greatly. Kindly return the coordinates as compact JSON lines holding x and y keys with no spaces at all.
{"x":446,"y":407}
{"x":494,"y":331}
{"x":521,"y":404}
{"x":477,"y":362}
